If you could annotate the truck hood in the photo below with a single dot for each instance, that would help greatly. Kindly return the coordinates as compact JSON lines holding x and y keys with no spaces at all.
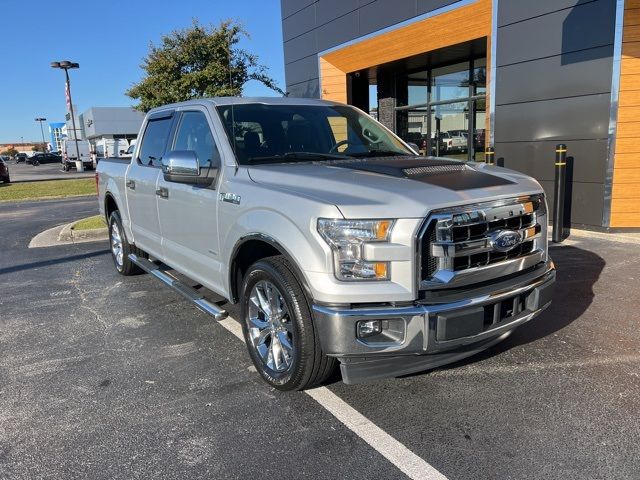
{"x":395,"y":187}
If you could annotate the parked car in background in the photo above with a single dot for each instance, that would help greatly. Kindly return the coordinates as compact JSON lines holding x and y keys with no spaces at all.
{"x":41,"y":157}
{"x":449,"y":144}
{"x":4,"y":170}
{"x":340,"y":244}
{"x":479,"y":139}
{"x":21,"y":157}
{"x":70,"y":154}
{"x":457,"y":142}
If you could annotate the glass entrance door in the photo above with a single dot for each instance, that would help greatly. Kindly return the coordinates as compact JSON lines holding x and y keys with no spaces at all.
{"x":446,"y":110}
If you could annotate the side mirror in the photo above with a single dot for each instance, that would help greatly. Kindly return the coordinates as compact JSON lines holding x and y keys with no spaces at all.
{"x":181,"y":166}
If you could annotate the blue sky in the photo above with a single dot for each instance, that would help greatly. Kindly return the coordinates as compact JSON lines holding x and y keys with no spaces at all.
{"x":108,"y":39}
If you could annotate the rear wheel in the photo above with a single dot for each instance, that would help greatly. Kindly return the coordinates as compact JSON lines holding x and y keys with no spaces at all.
{"x":121,"y":248}
{"x":278,"y":327}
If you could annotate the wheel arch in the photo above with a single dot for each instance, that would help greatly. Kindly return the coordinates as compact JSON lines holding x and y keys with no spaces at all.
{"x":251,"y":248}
{"x":110,"y":205}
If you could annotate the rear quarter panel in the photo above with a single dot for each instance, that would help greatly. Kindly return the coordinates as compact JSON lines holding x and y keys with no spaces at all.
{"x":112,"y":173}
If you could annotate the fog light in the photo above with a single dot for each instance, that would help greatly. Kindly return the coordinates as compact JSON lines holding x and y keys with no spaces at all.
{"x":368,"y":328}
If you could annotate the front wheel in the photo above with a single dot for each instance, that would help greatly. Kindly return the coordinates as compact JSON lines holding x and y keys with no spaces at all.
{"x":278,"y":327}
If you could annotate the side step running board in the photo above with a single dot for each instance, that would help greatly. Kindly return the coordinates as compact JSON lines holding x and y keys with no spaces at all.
{"x":187,"y":292}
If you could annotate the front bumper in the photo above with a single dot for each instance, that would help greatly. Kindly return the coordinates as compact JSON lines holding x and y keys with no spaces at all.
{"x":427,"y":335}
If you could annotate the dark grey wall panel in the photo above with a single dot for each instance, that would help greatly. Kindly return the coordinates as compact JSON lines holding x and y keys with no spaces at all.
{"x":339,"y":31}
{"x":511,"y":11}
{"x":538,"y":159}
{"x":300,"y":47}
{"x":586,"y":202}
{"x":563,"y":119}
{"x":327,"y":10}
{"x":585,"y":26}
{"x":289,"y":7}
{"x":309,"y":89}
{"x":383,"y":13}
{"x":302,"y":70}
{"x":579,"y":73}
{"x":299,"y":23}
{"x":425,"y":6}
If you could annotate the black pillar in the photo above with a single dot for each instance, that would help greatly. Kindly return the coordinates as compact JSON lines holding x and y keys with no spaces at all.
{"x":358,"y":90}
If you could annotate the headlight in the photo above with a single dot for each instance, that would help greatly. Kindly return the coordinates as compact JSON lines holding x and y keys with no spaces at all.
{"x":347,"y":238}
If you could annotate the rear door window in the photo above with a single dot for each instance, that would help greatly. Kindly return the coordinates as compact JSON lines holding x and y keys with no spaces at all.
{"x":154,"y":141}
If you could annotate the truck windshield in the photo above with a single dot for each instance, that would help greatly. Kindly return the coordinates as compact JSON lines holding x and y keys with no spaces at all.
{"x":262,"y":133}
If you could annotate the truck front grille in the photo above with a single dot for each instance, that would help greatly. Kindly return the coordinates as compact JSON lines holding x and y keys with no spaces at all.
{"x":472,"y":238}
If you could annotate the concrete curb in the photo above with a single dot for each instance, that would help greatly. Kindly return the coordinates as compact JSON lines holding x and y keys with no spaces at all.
{"x":64,"y":235}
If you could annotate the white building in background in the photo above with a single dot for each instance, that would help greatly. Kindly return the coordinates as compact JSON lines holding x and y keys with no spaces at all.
{"x":110,"y":130}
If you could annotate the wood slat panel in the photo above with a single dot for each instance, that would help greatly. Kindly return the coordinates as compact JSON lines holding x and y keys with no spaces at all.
{"x":622,"y":220}
{"x":625,"y":191}
{"x":631,"y":14}
{"x":630,"y":65}
{"x":626,"y":176}
{"x":629,"y":130}
{"x":627,"y":160}
{"x":628,"y":144}
{"x":629,"y":98}
{"x":630,"y":4}
{"x":629,"y":82}
{"x":631,"y":33}
{"x":629,"y":114}
{"x":630,"y":49}
{"x":471,"y":22}
{"x":334,"y":89}
{"x":631,"y":205}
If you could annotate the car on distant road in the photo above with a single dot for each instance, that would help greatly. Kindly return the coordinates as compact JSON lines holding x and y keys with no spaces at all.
{"x":41,"y":157}
{"x":4,"y":170}
{"x":21,"y":157}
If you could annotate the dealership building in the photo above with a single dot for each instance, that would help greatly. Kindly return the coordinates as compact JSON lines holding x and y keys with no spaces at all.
{"x":518,"y":75}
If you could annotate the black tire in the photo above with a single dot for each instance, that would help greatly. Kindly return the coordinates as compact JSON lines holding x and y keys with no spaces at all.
{"x":120,"y":256}
{"x":65,"y":166}
{"x":309,"y":366}
{"x":6,"y":179}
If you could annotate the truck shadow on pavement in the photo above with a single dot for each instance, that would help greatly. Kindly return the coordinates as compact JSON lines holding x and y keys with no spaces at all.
{"x":52,"y":261}
{"x":577,"y":271}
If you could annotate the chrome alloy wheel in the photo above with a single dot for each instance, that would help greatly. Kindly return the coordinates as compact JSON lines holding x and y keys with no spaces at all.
{"x":116,"y":244}
{"x":270,"y":327}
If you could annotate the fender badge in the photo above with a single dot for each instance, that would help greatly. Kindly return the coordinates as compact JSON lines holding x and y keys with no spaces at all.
{"x":230,"y":198}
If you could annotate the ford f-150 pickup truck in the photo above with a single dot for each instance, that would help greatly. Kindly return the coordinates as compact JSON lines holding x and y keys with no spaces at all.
{"x":340,"y":244}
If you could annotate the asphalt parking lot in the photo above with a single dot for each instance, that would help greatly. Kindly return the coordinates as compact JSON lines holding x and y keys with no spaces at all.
{"x":21,"y":172}
{"x":103,"y":376}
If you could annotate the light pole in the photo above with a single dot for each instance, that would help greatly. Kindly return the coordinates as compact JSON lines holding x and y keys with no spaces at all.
{"x":66,"y":65}
{"x":40,"y":120}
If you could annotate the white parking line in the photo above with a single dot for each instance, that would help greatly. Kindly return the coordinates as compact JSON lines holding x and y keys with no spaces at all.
{"x":395,"y":452}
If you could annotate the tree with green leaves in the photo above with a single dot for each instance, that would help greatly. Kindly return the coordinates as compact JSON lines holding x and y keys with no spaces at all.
{"x":198,"y":62}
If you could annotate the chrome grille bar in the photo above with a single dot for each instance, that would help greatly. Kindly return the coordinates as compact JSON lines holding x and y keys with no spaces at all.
{"x":464,"y":243}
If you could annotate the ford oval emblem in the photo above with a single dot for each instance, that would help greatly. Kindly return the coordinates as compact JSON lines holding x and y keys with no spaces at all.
{"x":505,"y":240}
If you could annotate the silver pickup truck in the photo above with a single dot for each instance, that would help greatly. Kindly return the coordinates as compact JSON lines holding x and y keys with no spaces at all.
{"x":340,"y":244}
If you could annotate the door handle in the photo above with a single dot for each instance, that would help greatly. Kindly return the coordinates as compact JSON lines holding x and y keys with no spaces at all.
{"x":131,"y":184}
{"x":162,"y":192}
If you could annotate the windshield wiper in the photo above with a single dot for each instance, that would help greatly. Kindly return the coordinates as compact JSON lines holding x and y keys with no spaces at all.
{"x":295,"y":156}
{"x":379,"y":153}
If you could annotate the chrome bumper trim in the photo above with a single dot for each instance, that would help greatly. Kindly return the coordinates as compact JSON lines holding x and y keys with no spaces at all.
{"x":336,"y":326}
